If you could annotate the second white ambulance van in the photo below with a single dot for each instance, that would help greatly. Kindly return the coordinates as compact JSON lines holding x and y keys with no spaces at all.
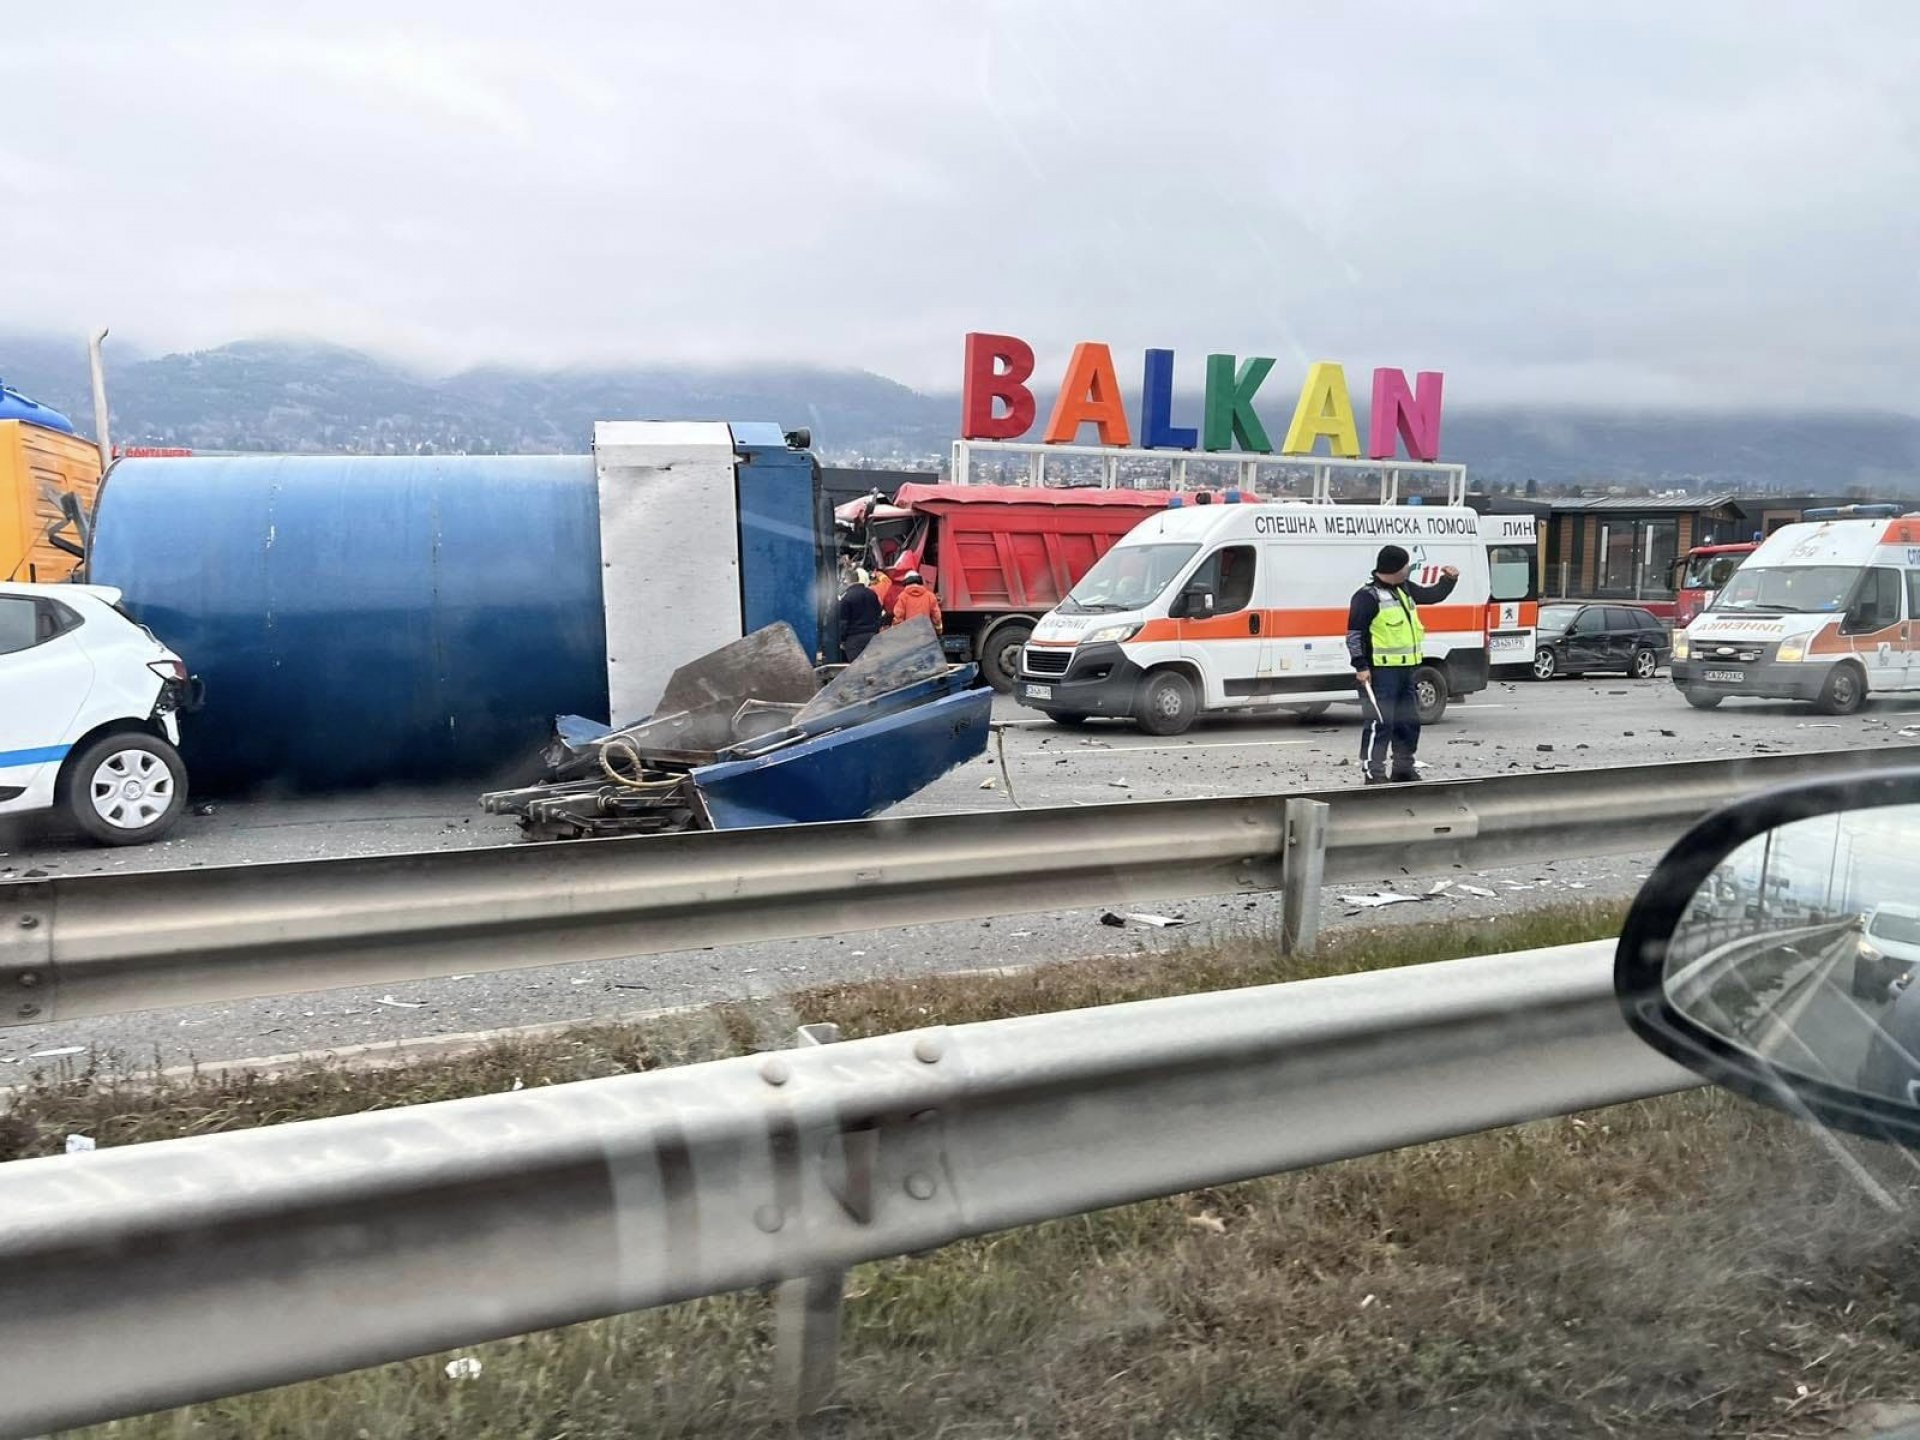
{"x":1825,"y":611}
{"x":1217,"y":608}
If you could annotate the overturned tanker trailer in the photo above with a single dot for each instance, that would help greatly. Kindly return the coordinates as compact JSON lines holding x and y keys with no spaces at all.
{"x":750,"y":735}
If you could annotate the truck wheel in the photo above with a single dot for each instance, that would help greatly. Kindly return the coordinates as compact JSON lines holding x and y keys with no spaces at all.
{"x":1429,"y":693}
{"x":1000,"y":654}
{"x":127,"y":789}
{"x":1702,"y":699}
{"x":1844,"y":692}
{"x":1166,"y":705}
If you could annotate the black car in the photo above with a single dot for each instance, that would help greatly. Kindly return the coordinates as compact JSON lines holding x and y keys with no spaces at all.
{"x":1580,"y":639}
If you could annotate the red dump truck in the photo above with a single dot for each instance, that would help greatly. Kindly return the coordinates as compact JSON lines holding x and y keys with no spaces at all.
{"x":997,"y":556}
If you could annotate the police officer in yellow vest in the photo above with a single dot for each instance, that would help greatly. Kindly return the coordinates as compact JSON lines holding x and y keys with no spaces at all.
{"x":1386,"y":641}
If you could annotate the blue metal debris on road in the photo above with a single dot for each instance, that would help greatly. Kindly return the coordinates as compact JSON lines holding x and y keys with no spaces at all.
{"x":749,"y":735}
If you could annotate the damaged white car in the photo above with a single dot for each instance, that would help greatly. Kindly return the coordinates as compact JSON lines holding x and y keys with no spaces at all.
{"x":89,"y":713}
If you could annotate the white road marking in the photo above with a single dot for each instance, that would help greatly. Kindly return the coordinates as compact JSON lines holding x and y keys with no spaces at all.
{"x":1208,"y":745}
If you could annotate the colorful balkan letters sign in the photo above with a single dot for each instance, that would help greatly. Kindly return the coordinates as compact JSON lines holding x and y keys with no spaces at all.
{"x":998,"y":405}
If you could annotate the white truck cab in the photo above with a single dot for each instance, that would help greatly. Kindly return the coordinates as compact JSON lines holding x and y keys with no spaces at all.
{"x":1824,"y":611}
{"x":1208,"y":609}
{"x":89,"y":713}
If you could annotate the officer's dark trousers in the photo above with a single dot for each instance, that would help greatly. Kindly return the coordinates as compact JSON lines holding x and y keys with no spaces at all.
{"x":1393,"y":726}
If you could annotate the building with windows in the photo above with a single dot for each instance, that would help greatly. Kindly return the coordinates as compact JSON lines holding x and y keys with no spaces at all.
{"x":1623,"y":547}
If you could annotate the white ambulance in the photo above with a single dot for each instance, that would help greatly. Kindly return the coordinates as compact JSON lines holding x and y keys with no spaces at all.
{"x":1207,"y":609}
{"x":1824,"y":611}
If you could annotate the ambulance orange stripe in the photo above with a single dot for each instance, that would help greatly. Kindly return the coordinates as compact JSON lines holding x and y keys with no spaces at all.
{"x":1329,"y":624}
{"x":1831,"y":642}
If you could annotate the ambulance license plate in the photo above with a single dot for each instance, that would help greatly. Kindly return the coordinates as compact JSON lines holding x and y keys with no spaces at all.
{"x":1039,"y":692}
{"x":1727,"y":677}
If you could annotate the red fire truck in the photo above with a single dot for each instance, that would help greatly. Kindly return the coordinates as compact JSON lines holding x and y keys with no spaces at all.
{"x":1697,"y":576}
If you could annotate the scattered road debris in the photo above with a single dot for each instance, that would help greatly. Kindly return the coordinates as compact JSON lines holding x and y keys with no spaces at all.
{"x":752,"y":734}
{"x":1155,"y":922}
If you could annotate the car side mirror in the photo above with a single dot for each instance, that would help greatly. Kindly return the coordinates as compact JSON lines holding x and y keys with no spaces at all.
{"x":1195,"y":605}
{"x":1774,"y":951}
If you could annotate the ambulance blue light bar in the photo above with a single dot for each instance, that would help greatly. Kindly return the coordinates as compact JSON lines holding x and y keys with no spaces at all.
{"x":1850,"y":512}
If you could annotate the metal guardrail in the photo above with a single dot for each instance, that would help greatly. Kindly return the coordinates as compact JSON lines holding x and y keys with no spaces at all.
{"x":89,"y":945}
{"x":188,"y":1269}
{"x":1687,"y":986}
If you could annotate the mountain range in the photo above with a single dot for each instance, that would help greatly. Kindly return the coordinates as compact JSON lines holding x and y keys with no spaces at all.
{"x":274,"y":395}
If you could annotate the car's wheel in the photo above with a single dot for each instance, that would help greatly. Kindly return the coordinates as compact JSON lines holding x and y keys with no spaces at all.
{"x":1844,"y":692}
{"x":1166,"y":705}
{"x":1546,"y":664}
{"x":1000,"y":655}
{"x":1072,"y":719}
{"x":127,"y":789}
{"x":1646,"y":663}
{"x":1702,"y":699}
{"x":1310,"y":712}
{"x":1864,"y":981}
{"x":1429,"y":693}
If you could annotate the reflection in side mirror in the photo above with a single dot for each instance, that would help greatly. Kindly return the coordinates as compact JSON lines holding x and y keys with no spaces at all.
{"x":1777,"y":949}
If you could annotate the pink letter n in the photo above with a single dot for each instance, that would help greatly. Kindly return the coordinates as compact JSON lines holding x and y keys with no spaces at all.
{"x":1415,"y":416}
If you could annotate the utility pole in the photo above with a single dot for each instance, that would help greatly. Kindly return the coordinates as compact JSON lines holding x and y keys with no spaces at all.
{"x":1833,"y":862}
{"x":99,"y":369}
{"x":1766,"y":861}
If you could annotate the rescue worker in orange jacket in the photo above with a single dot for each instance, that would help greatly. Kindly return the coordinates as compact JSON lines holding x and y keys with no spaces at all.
{"x":914,"y":598}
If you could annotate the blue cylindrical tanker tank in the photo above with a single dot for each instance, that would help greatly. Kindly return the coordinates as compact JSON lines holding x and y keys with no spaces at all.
{"x":362,"y":619}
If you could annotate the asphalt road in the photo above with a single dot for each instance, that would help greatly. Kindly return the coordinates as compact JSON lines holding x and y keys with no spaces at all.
{"x":1815,"y":1025}
{"x":1518,"y":726}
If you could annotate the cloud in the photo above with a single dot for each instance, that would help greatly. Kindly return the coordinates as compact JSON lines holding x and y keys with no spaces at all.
{"x":1707,"y":204}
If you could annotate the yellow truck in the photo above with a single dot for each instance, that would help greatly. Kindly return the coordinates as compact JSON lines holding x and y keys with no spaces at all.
{"x":49,"y":478}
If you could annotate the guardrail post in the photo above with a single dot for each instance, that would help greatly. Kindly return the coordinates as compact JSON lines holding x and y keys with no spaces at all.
{"x":806,"y":1345}
{"x":1302,"y":870}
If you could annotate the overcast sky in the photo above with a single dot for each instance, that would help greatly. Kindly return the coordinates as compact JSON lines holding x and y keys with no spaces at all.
{"x":1673,"y":203}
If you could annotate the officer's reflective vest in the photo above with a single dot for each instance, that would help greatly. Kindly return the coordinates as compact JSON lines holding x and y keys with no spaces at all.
{"x":1398,"y":636}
